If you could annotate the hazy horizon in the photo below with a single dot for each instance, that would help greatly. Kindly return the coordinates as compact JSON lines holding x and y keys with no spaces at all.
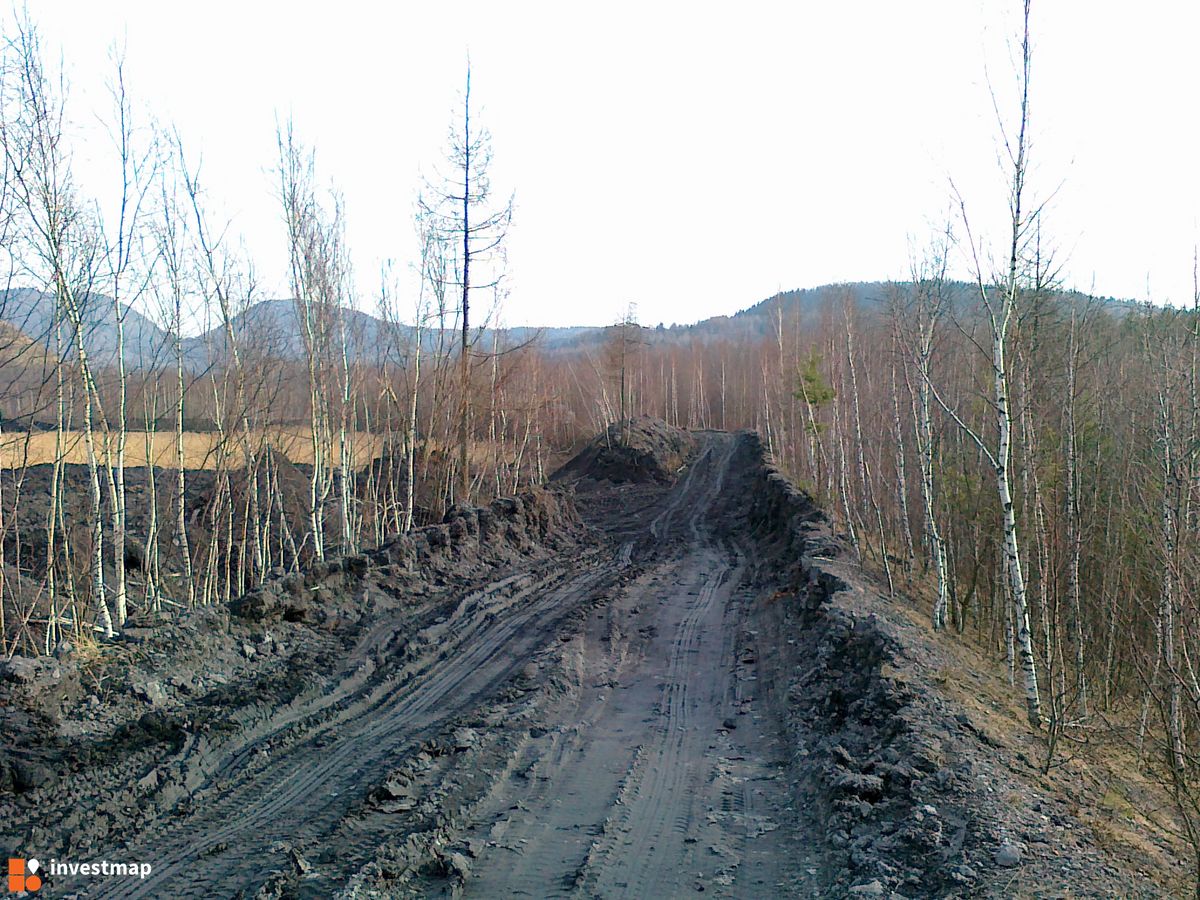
{"x":679,"y":156}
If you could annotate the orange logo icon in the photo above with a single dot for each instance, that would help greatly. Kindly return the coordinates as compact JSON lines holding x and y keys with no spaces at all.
{"x":22,"y":875}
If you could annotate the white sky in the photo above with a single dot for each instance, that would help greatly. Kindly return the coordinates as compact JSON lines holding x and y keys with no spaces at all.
{"x":692,"y":157}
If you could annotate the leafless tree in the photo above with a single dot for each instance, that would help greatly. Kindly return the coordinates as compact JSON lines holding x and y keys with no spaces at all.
{"x":462,"y":207}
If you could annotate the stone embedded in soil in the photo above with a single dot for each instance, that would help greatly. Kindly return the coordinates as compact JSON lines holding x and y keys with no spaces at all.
{"x":865,"y":786}
{"x":1008,"y":855}
{"x":458,"y":865}
{"x":27,"y":775}
{"x":150,"y":691}
{"x":20,"y":669}
{"x":396,"y":787}
{"x":964,"y":873}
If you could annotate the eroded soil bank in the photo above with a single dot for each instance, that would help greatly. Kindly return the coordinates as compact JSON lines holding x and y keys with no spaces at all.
{"x":662,"y":675}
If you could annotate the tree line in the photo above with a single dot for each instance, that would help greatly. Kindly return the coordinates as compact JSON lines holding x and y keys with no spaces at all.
{"x":427,"y":416}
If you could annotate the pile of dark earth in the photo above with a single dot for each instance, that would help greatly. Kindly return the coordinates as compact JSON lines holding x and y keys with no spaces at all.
{"x":660,"y":675}
{"x":213,"y":502}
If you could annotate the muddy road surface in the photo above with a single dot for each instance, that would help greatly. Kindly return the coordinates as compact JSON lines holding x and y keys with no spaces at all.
{"x":637,"y":762}
{"x":661,"y":775}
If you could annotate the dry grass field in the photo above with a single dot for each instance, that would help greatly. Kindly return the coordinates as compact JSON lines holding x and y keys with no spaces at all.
{"x":19,"y":449}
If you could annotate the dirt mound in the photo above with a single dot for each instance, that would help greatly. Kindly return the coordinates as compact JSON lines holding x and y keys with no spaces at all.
{"x":914,"y":796}
{"x":641,"y":450}
{"x":277,"y":477}
{"x":469,"y":542}
{"x":176,"y":703}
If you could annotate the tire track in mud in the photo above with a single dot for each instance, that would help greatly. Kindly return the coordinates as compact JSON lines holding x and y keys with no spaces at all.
{"x":671,"y":799}
{"x":655,"y":803}
{"x":308,"y":787}
{"x":643,"y":850}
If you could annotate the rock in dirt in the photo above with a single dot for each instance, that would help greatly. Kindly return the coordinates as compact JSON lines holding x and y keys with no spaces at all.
{"x":1008,"y":855}
{"x":465,"y":739}
{"x":24,"y":670}
{"x":27,"y":775}
{"x":150,"y":691}
{"x":19,"y":669}
{"x":457,"y":866}
{"x":869,"y":787}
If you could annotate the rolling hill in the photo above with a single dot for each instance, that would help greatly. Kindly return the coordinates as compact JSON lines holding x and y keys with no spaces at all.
{"x":274,"y":330}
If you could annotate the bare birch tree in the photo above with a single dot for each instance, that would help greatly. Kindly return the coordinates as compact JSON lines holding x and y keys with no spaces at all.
{"x":999,"y":300}
{"x":62,"y":241}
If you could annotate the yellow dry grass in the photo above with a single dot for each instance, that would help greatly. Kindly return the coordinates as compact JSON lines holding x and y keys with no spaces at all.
{"x":200,"y":449}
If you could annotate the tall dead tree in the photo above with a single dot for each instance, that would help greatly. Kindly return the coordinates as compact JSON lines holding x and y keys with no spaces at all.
{"x":461,"y":207}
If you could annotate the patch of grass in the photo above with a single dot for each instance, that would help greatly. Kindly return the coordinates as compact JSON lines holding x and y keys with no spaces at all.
{"x":1097,"y":774}
{"x":158,"y":447}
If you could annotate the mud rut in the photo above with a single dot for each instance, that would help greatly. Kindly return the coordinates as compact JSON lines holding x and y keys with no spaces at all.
{"x":634,"y":756}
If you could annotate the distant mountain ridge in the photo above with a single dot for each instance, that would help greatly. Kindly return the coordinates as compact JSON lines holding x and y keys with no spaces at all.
{"x":272,"y":328}
{"x":32,"y":312}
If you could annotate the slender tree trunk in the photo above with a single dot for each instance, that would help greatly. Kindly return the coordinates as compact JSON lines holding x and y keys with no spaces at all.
{"x":464,"y":374}
{"x":1074,"y":537}
{"x":901,"y":467}
{"x":116,"y":469}
{"x":937,"y":544}
{"x":1012,"y":547}
{"x":1166,"y":615}
{"x":181,"y":531}
{"x":56,"y":475}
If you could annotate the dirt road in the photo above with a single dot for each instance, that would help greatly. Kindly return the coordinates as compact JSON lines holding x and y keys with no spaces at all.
{"x":662,"y":776}
{"x":636,"y":760}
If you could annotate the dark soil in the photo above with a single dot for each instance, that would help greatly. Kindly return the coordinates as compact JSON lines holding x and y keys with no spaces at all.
{"x":639,"y":451}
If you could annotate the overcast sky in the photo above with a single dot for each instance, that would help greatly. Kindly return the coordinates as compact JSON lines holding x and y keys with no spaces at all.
{"x":694,"y":158}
